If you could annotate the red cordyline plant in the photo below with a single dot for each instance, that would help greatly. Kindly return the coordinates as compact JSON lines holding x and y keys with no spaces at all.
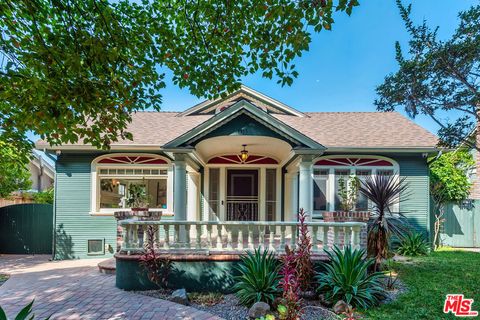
{"x":157,"y":268}
{"x":290,"y":286}
{"x":303,"y":254}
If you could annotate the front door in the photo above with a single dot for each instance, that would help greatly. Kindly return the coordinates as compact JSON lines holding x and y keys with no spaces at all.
{"x":242,"y":195}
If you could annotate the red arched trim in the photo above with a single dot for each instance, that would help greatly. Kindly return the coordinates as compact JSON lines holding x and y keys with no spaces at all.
{"x":235,"y":159}
{"x":133,"y":160}
{"x":356,"y":162}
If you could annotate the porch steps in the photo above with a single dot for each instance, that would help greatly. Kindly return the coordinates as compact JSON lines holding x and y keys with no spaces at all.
{"x":107,"y":266}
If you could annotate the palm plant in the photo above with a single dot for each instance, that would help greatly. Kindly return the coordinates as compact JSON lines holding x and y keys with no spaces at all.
{"x":383,"y":191}
{"x":346,"y":278}
{"x":258,"y":278}
{"x":413,"y":244}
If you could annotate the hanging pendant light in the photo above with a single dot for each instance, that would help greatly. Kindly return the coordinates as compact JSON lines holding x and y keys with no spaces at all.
{"x":244,"y":153}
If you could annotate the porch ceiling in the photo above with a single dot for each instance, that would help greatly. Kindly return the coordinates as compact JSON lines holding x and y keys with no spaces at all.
{"x":256,"y":145}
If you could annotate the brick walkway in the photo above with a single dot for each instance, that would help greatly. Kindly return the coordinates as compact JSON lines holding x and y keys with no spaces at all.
{"x":76,"y":290}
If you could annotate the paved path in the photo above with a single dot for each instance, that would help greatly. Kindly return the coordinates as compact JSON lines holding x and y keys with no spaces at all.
{"x":75,"y":289}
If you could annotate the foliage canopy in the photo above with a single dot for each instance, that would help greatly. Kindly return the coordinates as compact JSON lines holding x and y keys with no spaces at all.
{"x":75,"y":70}
{"x":438,"y":78}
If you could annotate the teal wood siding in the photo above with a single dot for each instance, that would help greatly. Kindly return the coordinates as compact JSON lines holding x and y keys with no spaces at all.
{"x":74,"y":225}
{"x":415,"y":204}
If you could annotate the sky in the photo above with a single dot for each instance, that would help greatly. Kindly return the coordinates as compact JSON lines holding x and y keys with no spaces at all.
{"x":343,"y":67}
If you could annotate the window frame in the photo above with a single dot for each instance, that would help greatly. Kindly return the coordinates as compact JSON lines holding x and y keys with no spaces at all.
{"x":352,"y":169}
{"x":96,"y":177}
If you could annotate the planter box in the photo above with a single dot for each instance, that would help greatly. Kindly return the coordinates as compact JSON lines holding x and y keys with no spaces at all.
{"x":144,"y":215}
{"x":345,"y":216}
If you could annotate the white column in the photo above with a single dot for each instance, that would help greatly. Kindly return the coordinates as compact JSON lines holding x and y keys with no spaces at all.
{"x":193,"y":197}
{"x":180,"y":191}
{"x":305,"y":186}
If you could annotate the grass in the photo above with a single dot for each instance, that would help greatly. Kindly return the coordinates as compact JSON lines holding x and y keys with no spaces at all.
{"x":3,"y":278}
{"x":429,"y":279}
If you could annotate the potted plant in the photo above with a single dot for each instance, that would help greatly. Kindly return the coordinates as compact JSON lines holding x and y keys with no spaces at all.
{"x":137,"y":198}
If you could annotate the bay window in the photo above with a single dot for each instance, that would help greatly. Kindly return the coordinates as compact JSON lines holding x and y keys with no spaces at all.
{"x":114,"y":178}
{"x":329,"y":170}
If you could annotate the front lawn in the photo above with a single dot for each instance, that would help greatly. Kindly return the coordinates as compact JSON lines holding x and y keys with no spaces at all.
{"x":429,"y":279}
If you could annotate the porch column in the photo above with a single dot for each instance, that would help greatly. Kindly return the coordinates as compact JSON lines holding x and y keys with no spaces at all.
{"x":180,"y":191}
{"x":305,"y":186}
{"x":193,"y":208}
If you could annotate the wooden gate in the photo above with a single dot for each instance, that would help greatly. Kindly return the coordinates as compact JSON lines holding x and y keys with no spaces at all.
{"x":462,"y":225}
{"x":26,"y":229}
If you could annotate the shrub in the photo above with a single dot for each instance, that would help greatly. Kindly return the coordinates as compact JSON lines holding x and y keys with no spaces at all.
{"x":346,"y":278}
{"x":290,"y":286}
{"x":44,"y":196}
{"x":157,"y":268}
{"x":413,"y":244}
{"x":303,"y":254}
{"x":258,"y":278}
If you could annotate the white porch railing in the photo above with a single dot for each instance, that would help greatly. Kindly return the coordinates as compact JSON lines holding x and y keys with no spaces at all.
{"x":233,"y":237}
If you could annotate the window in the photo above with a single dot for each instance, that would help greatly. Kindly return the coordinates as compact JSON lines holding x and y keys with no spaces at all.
{"x":329,"y":170}
{"x":95,"y":247}
{"x":115,"y":192}
{"x":320,"y":178}
{"x":114,"y":177}
{"x":271,"y":196}
{"x":362,"y":201}
{"x":213,"y":192}
{"x":340,"y":175}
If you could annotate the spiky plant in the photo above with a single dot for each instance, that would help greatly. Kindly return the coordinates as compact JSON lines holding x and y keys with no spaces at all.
{"x":258,"y":277}
{"x":383,"y":191}
{"x":413,"y":244}
{"x":346,"y":278}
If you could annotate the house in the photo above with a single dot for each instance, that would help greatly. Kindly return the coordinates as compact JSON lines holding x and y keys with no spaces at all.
{"x":246,"y":157}
{"x":42,"y":172}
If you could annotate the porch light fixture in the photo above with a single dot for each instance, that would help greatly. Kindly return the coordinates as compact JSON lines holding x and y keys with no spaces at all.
{"x":244,"y":153}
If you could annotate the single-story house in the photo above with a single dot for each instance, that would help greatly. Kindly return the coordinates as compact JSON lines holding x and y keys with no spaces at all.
{"x":244,"y":157}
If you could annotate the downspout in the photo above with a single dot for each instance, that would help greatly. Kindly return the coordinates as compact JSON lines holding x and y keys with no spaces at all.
{"x":54,"y":231}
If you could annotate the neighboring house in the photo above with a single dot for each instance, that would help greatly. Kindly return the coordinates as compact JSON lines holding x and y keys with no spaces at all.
{"x":246,"y":157}
{"x":42,"y":173}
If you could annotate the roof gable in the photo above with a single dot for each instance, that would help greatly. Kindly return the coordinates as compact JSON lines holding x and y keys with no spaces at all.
{"x":265,"y":103}
{"x":252,"y":121}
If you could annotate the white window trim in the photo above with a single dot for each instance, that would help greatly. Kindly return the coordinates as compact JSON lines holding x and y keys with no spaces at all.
{"x":331,"y":176}
{"x":95,"y":180}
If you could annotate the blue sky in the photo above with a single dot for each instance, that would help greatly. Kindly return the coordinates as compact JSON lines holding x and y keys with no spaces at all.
{"x":343,"y":67}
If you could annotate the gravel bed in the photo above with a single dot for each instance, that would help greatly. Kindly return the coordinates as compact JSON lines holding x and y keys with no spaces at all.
{"x":229,"y":307}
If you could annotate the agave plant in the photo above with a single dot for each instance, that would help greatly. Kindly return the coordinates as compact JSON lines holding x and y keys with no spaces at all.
{"x":346,"y":278}
{"x":413,"y":244}
{"x":383,"y":191}
{"x":24,"y":314}
{"x":258,"y":278}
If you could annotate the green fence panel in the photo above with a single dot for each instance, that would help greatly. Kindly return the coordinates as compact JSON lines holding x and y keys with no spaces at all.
{"x":26,"y":229}
{"x":461,"y":225}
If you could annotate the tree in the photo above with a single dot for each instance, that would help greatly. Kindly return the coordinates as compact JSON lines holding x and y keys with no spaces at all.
{"x":14,"y":174}
{"x":438,"y":78}
{"x":75,"y":70}
{"x":449,"y":182}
